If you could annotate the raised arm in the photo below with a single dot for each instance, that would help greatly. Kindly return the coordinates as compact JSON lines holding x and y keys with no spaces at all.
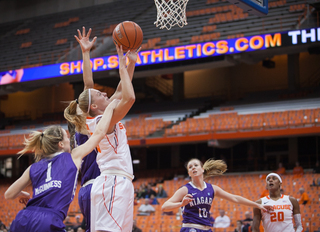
{"x":132,"y":55}
{"x":15,"y":190}
{"x":86,"y":45}
{"x":100,"y":131}
{"x":180,"y":198}
{"x":127,"y":92}
{"x":238,"y":199}
{"x":256,"y":218}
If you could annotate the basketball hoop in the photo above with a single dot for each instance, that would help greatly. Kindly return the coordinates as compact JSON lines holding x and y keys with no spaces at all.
{"x":171,"y":13}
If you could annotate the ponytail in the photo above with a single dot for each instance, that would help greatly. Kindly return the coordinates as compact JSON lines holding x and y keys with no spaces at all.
{"x":76,"y":118}
{"x":43,"y":144}
{"x":214,"y":168}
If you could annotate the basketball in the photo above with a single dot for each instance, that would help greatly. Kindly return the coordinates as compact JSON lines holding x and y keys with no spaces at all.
{"x":128,"y":34}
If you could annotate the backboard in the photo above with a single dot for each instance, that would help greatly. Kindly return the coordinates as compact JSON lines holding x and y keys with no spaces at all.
{"x":257,"y":7}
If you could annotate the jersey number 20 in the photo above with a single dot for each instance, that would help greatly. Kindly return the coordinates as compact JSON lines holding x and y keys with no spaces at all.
{"x":279,"y":216}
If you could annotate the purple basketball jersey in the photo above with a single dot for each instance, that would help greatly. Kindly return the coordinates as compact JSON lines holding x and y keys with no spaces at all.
{"x":89,"y":167}
{"x":198,"y":210}
{"x":54,"y":182}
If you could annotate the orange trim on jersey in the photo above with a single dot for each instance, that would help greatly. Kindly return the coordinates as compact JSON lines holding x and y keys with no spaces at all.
{"x":278,"y":199}
{"x":90,"y":117}
{"x":98,"y":148}
{"x":104,"y":203}
{"x":114,"y":193}
{"x":114,"y":148}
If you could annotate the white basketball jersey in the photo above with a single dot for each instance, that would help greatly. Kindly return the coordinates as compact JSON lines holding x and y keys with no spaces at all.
{"x":279,"y":220}
{"x":113,"y":150}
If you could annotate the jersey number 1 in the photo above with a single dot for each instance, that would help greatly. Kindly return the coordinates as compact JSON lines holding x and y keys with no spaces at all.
{"x":277,"y":217}
{"x":49,"y":172}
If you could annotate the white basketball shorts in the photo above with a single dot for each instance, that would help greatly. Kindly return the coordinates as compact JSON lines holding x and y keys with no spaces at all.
{"x":112,"y":204}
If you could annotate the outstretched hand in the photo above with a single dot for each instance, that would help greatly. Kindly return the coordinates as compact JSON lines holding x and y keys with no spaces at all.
{"x":132,"y":55}
{"x":83,"y":40}
{"x":266,"y":208}
{"x":187,"y":199}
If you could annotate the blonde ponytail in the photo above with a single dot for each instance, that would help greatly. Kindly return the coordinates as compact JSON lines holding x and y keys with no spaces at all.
{"x":214,"y":168}
{"x":71,"y":114}
{"x":44,"y":143}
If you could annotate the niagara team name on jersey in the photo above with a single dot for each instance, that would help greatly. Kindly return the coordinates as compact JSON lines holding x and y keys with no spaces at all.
{"x":279,"y":220}
{"x":113,"y":150}
{"x":198,"y":210}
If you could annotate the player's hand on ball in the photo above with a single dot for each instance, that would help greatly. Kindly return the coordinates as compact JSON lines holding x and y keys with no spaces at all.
{"x":122,"y":58}
{"x":187,"y":199}
{"x":133,"y":55}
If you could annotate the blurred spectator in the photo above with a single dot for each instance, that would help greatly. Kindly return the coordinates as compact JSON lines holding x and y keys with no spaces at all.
{"x":317,"y":168}
{"x":297,"y":171}
{"x":239,"y":227}
{"x":149,"y":191}
{"x":141,"y":192}
{"x":222,"y":221}
{"x":281,"y":170}
{"x":304,"y":199}
{"x":247,"y":222}
{"x":161,"y":192}
{"x":153,"y":200}
{"x":68,"y":223}
{"x":146,"y":208}
{"x":135,"y":228}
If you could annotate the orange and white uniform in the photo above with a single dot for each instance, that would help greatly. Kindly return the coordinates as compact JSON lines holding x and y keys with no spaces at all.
{"x":112,"y":194}
{"x":279,"y":220}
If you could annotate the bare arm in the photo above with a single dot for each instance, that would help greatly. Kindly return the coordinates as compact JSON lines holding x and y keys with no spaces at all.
{"x":256,"y":218}
{"x":86,"y":46}
{"x":131,"y":66}
{"x":15,"y":190}
{"x":100,"y":131}
{"x":128,"y":96}
{"x":180,"y":198}
{"x":296,"y":214}
{"x":237,"y":199}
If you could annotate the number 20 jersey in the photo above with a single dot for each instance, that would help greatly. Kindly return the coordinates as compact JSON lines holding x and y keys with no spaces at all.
{"x":198,"y":210}
{"x":279,"y":220}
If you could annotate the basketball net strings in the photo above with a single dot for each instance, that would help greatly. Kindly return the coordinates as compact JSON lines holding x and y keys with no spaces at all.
{"x":171,"y":13}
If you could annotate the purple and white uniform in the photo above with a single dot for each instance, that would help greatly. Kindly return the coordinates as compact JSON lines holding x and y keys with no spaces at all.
{"x":54,"y":183}
{"x":89,"y":171}
{"x":198,"y":210}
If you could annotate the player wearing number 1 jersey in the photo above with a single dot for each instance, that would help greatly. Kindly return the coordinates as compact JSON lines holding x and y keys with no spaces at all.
{"x":196,"y":197}
{"x":53,"y":177}
{"x":285,"y":208}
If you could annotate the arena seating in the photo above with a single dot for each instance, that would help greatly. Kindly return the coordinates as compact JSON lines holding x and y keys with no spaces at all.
{"x":25,"y":46}
{"x":249,"y":185}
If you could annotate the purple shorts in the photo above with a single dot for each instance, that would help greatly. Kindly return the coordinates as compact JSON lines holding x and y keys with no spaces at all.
{"x":85,"y":203}
{"x":38,"y":219}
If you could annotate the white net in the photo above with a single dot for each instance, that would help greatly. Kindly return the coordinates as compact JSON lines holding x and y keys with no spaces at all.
{"x":171,"y":13}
